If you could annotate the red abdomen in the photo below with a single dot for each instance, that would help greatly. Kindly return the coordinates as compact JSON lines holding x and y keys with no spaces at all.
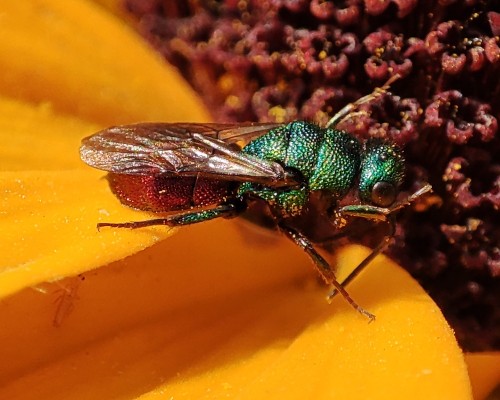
{"x":166,"y":193}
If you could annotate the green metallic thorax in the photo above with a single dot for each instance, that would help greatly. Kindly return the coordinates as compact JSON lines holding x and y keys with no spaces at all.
{"x":328,"y":159}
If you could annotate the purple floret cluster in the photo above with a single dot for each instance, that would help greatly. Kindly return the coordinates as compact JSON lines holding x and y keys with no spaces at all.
{"x":281,"y":60}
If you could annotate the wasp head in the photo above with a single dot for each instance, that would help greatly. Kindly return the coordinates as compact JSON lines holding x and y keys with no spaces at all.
{"x":382,"y":171}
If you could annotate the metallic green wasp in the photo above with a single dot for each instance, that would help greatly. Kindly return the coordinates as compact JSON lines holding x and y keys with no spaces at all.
{"x":295,"y":173}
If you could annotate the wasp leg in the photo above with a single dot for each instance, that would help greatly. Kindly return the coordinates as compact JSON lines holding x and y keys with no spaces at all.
{"x":375,"y":252}
{"x":349,"y":109}
{"x":322,"y":266}
{"x":378,"y":214}
{"x":187,"y":218}
{"x":346,"y":231}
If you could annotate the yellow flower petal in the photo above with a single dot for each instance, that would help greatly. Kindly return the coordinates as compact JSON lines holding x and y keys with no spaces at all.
{"x":161,"y":323}
{"x":87,"y":63}
{"x":484,"y":372}
{"x":215,"y":310}
{"x":50,"y":218}
{"x":408,"y":352}
{"x":35,"y":138}
{"x":50,"y":223}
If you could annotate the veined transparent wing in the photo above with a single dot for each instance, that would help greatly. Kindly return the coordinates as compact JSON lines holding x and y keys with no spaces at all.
{"x":183,"y":149}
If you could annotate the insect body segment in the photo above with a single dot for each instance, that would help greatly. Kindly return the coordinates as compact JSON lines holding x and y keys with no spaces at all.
{"x":161,"y":193}
{"x":327,"y":160}
{"x":299,"y":171}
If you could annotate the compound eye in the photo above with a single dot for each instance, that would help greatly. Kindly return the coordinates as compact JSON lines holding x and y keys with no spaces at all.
{"x":383,"y":194}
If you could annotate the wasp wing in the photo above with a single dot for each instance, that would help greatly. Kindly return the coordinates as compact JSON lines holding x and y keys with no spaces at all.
{"x":185,"y":149}
{"x":230,"y":133}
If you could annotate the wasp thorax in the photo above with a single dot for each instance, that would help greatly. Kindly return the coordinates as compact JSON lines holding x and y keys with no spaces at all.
{"x":382,"y":171}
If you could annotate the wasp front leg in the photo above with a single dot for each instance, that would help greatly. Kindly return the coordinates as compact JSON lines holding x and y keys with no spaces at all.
{"x":381,"y":246}
{"x":322,"y":266}
{"x":377,"y":214}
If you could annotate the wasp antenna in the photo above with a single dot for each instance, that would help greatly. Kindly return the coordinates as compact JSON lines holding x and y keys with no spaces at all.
{"x":348,"y":110}
{"x":389,"y":82}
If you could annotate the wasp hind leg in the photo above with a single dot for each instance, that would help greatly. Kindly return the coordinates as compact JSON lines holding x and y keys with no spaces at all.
{"x":187,"y":218}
